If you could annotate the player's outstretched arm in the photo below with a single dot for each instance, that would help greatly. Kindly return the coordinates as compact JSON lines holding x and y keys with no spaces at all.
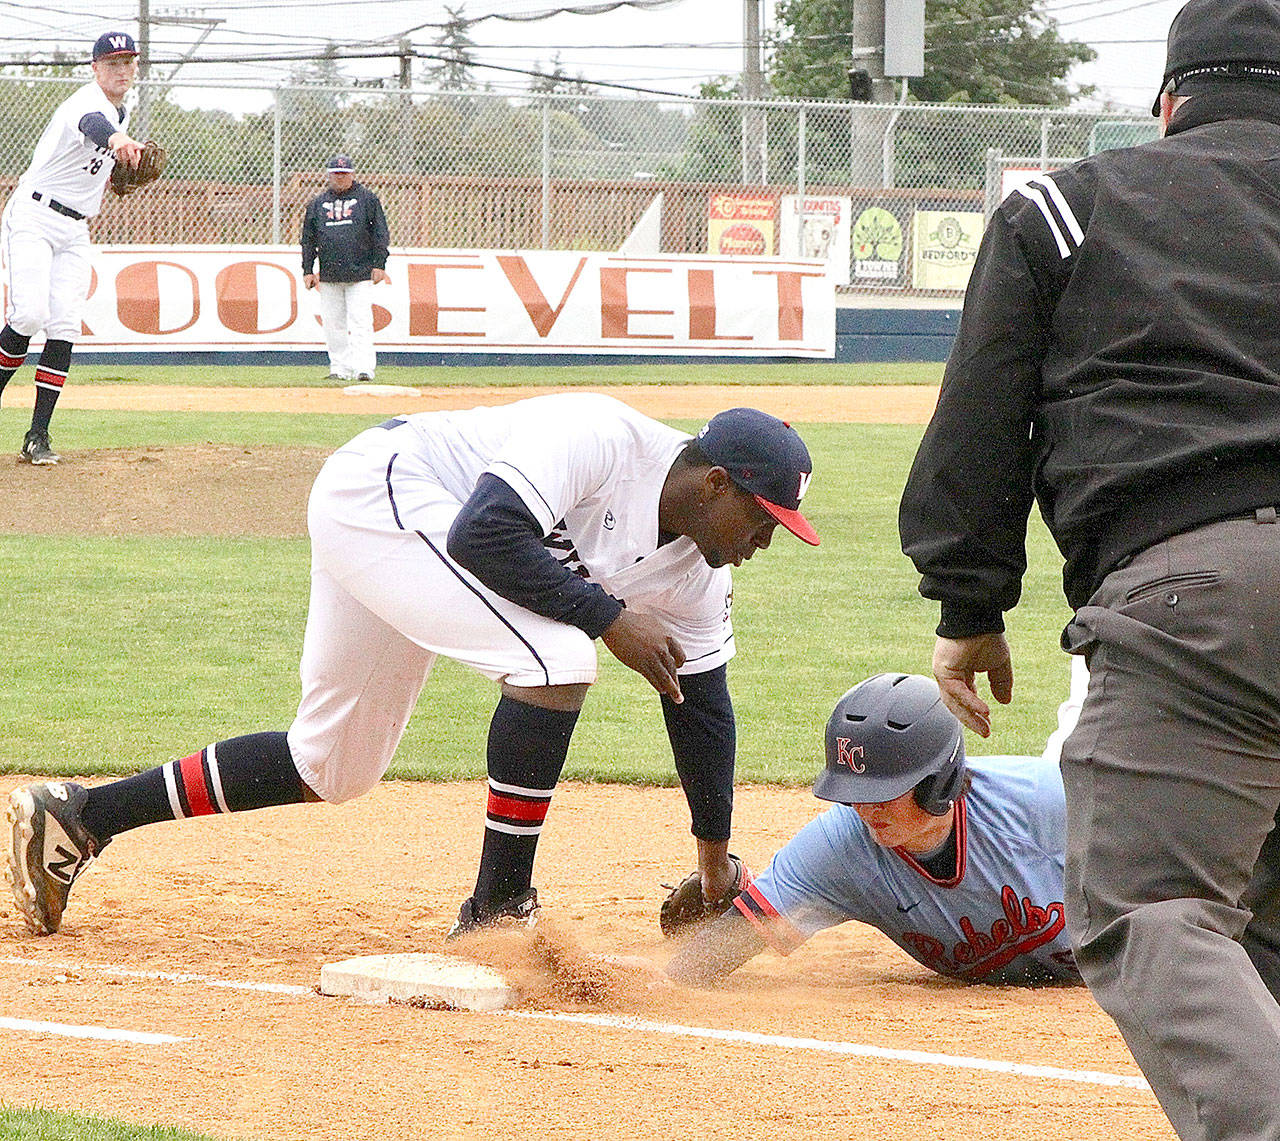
{"x":716,"y":951}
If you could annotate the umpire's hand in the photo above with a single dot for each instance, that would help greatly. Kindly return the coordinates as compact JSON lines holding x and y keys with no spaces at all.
{"x":641,"y":643}
{"x":957,"y":661}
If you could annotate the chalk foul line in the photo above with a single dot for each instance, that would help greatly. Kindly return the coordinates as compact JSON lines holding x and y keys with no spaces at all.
{"x":101,"y":1033}
{"x":823,"y":1046}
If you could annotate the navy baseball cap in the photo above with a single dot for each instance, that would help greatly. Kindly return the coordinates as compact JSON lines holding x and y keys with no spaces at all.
{"x":112,"y":44}
{"x":340,"y":164}
{"x":766,"y":457}
{"x":1222,"y":41}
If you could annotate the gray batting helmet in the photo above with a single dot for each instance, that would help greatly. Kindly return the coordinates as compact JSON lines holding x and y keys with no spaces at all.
{"x":887,"y":735}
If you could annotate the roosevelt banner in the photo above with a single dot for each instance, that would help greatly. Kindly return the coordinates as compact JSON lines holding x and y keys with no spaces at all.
{"x":192,"y":298}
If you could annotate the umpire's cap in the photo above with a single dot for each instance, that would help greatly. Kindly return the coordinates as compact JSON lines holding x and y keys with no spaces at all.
{"x":888,"y":735}
{"x":766,"y":457}
{"x":340,"y":164}
{"x":112,"y":44}
{"x":1222,"y":41}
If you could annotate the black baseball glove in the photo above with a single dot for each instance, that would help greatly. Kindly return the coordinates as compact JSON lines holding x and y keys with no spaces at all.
{"x":686,"y":907}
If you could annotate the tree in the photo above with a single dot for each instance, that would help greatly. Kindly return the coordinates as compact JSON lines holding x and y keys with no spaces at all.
{"x":976,"y":51}
{"x":458,"y":49}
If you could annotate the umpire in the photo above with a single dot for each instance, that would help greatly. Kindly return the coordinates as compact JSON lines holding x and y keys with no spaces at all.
{"x":347,"y":229}
{"x":1118,"y":360}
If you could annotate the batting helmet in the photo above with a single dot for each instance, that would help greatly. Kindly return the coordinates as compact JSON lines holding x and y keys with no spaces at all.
{"x":887,"y":735}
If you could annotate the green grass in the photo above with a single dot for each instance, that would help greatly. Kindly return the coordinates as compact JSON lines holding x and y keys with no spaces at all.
{"x":75,"y":428}
{"x":153,"y":647}
{"x":507,"y":376}
{"x":48,"y":1125}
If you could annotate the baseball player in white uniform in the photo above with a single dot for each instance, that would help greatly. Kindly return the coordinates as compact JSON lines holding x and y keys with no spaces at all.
{"x":44,"y":233}
{"x":959,"y":862}
{"x":509,"y":539}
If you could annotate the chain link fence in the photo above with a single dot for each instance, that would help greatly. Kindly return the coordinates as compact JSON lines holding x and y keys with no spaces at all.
{"x":895,"y":197}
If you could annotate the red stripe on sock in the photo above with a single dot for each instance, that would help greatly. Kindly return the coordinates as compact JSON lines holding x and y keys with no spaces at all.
{"x":534,"y":811}
{"x":193,"y":785}
{"x":56,"y":379}
{"x":6,"y":361}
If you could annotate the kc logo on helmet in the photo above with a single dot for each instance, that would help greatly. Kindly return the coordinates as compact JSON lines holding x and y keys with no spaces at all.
{"x":846,"y":750}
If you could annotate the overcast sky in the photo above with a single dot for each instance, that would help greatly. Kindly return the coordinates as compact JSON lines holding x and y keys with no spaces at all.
{"x":673,"y":48}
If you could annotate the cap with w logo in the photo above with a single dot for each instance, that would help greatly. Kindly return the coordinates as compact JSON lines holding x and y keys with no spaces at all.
{"x":113,"y":43}
{"x":766,"y":457}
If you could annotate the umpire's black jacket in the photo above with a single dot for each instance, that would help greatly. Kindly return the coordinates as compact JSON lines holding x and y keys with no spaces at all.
{"x":348,"y":230}
{"x":1118,"y":354}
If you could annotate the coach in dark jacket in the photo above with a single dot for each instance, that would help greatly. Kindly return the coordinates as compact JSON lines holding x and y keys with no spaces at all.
{"x":1118,"y":360}
{"x":346,"y":228}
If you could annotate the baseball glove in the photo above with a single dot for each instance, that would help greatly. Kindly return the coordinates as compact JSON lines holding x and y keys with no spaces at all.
{"x":686,"y":907}
{"x":125,"y":179}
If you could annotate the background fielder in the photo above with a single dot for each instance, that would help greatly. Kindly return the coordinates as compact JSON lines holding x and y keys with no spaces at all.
{"x":509,"y":539}
{"x":959,"y":862}
{"x":346,"y":228}
{"x":44,"y":232}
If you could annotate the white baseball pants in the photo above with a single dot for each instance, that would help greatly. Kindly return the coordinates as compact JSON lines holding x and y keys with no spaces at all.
{"x":47,"y":268}
{"x":346,"y":310}
{"x":386,"y":600}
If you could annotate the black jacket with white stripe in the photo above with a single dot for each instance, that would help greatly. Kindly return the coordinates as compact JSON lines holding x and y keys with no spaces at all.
{"x":1118,"y":358}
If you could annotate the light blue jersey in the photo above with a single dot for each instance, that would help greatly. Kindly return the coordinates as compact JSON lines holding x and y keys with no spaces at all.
{"x":999,"y":920}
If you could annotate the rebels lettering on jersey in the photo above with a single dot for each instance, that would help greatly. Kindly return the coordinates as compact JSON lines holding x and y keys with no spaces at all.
{"x":1022,"y":928}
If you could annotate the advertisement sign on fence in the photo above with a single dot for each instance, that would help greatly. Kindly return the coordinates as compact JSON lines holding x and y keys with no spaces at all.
{"x":200,"y":298}
{"x":817,"y":226}
{"x":944,"y":247}
{"x":741,"y":227}
{"x":877,"y":246}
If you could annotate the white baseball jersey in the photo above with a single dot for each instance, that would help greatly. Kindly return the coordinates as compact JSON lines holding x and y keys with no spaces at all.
{"x":66,"y":166}
{"x":590,"y":470}
{"x":387,"y":600}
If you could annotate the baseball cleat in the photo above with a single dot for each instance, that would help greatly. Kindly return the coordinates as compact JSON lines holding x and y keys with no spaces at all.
{"x":36,"y":448}
{"x":51,"y":847}
{"x":519,"y":912}
{"x":365,"y":376}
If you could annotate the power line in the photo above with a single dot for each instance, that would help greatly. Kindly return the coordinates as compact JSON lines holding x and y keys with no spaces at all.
{"x":1117,"y":12}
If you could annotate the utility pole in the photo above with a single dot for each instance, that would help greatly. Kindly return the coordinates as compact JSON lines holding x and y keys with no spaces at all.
{"x":868,"y":46}
{"x":867,"y":85}
{"x":753,"y":133}
{"x":406,"y":59}
{"x":144,"y":66}
{"x":406,"y":102}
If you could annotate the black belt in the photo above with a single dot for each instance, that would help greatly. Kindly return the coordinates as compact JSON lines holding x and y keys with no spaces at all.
{"x":57,"y":207}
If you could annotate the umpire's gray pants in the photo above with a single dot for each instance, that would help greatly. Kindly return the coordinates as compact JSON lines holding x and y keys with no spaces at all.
{"x":1173,"y":780}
